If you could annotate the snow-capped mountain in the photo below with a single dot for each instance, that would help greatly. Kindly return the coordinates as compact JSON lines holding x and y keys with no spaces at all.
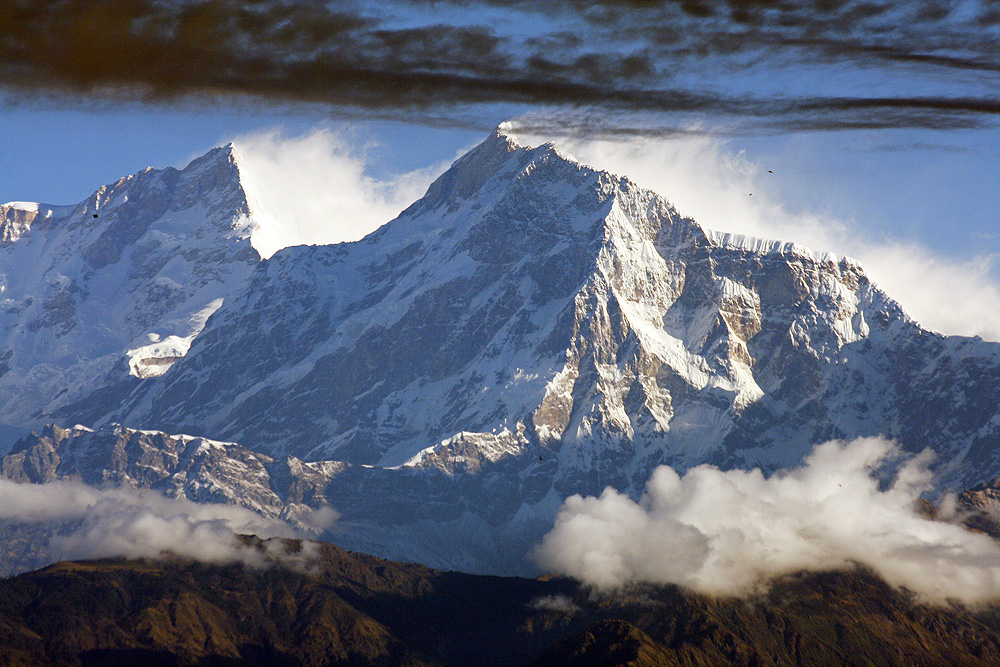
{"x":533,"y":328}
{"x":114,"y":288}
{"x":530,"y":306}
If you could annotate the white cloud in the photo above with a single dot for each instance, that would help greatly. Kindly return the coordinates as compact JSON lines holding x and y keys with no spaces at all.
{"x":315,"y":189}
{"x":86,"y":522}
{"x":726,"y":191}
{"x":728,"y":532}
{"x":558,"y":603}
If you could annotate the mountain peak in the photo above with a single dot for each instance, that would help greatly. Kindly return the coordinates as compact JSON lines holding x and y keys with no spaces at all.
{"x":226,"y":169}
{"x":219,"y":155}
{"x":471,"y":171}
{"x":506,"y":129}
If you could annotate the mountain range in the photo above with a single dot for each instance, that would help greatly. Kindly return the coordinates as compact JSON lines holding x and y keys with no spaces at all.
{"x":530,"y":329}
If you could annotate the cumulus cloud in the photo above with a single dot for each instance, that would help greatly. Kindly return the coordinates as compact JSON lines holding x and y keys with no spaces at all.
{"x":315,"y":189}
{"x":711,"y":183}
{"x":728,"y":532}
{"x":95,"y":523}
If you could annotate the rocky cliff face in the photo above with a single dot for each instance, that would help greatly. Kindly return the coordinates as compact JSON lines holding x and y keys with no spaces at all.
{"x":116,"y":286}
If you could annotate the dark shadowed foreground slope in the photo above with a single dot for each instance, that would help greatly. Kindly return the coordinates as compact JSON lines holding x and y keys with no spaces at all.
{"x":355,"y":609}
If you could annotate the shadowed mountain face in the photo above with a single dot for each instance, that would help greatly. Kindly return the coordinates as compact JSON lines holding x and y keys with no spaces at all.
{"x":345,"y":608}
{"x":197,"y":469}
{"x":531,"y":329}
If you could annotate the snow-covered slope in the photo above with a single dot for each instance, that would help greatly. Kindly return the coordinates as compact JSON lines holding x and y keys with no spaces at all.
{"x":118,"y":285}
{"x":533,"y":328}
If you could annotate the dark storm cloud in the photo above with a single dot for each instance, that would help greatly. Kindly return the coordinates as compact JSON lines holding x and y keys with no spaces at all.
{"x":668,"y":58}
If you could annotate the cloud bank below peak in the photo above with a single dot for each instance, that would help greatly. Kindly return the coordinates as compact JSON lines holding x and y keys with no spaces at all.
{"x":84,"y":522}
{"x":729,"y":532}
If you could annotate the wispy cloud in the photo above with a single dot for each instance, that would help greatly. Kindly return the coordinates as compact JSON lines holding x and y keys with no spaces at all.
{"x":85,"y":522}
{"x":761,"y":64}
{"x":729,"y":532}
